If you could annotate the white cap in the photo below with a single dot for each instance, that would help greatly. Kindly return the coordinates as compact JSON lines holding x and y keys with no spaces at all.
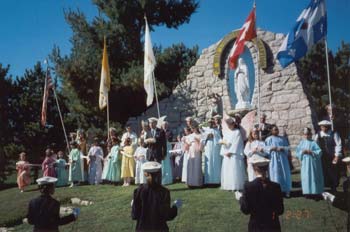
{"x":238,"y":115}
{"x":325,"y":123}
{"x":346,"y":159}
{"x":153,"y":119}
{"x":230,"y":120}
{"x":151,"y":166}
{"x":188,"y":119}
{"x":259,"y":161}
{"x":218,"y":116}
{"x":46,"y":180}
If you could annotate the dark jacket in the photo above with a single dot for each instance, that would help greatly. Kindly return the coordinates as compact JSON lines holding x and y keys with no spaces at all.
{"x":264,"y":203}
{"x":44,"y":214}
{"x":151,"y":208}
{"x":157,"y":150}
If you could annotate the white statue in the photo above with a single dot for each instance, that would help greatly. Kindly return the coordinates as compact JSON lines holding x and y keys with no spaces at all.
{"x":241,"y":81}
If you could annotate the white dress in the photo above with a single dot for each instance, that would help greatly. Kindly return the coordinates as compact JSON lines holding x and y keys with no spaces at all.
{"x":233,"y":173}
{"x":140,"y":158}
{"x":249,"y":153}
{"x":185,"y":159}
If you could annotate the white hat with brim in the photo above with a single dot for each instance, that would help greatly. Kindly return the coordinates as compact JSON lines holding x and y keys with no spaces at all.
{"x":325,"y":123}
{"x":151,"y":167}
{"x":259,"y":161}
{"x":46,"y":180}
{"x":153,"y":119}
{"x":346,"y":159}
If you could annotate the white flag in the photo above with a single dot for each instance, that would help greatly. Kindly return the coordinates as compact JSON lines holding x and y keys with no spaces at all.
{"x":149,"y":65}
{"x":105,"y":78}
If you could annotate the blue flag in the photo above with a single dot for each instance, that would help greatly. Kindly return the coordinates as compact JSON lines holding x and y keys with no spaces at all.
{"x":311,"y":27}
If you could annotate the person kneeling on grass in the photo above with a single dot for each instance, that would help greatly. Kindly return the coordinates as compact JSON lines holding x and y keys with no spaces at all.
{"x":262,"y":199}
{"x":151,"y":201}
{"x":44,"y":211}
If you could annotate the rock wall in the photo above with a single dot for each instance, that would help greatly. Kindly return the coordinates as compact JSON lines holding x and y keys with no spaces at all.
{"x":283,"y":98}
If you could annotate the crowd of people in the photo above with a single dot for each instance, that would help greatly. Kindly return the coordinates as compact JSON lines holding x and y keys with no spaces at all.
{"x":204,"y":154}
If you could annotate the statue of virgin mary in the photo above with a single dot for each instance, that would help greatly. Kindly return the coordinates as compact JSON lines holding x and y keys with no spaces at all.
{"x":241,"y":82}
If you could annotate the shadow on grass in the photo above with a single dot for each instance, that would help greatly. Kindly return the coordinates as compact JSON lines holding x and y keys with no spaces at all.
{"x":4,"y":186}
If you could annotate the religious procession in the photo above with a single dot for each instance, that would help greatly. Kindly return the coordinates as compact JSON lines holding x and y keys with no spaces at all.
{"x":240,"y":137}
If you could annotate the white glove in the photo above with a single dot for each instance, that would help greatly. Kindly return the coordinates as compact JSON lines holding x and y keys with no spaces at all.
{"x":238,"y":195}
{"x":131,"y":203}
{"x":178,"y":203}
{"x":76,"y":212}
{"x":328,"y":196}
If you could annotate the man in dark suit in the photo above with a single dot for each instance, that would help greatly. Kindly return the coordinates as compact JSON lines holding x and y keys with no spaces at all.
{"x":44,"y":211}
{"x":263,"y":127}
{"x":262,"y":199}
{"x":156,"y":142}
{"x":151,"y":202}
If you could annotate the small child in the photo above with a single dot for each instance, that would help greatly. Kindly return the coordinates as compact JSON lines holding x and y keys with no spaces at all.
{"x":61,"y":164}
{"x":128,"y":162}
{"x":140,"y":158}
{"x":23,"y":172}
{"x":48,"y":165}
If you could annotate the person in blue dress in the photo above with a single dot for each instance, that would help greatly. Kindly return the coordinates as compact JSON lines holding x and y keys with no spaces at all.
{"x":112,"y":173}
{"x":213,"y":159}
{"x":309,"y":154}
{"x":62,"y":175}
{"x":279,"y":170}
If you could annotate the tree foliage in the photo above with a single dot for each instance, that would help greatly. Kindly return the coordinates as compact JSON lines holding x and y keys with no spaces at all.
{"x":314,"y":72}
{"x":122,"y":23}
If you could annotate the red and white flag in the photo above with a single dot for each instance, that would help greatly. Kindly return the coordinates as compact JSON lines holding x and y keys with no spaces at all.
{"x":247,"y":32}
{"x":47,"y":87}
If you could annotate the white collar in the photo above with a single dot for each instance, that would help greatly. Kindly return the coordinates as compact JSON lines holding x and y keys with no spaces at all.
{"x":325,"y":134}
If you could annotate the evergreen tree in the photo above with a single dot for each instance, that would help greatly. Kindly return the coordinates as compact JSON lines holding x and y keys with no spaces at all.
{"x":122,"y":23}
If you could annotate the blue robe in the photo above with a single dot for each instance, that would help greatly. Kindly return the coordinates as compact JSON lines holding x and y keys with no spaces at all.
{"x":279,"y":169}
{"x":75,"y":168}
{"x":112,"y":172}
{"x":167,"y":173}
{"x":62,"y":177}
{"x":311,"y":167}
{"x":212,"y":157}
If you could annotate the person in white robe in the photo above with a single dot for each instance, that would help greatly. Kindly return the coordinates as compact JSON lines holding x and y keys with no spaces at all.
{"x":186,"y":145}
{"x":233,"y":173}
{"x":212,"y":157}
{"x":129,"y":134}
{"x":254,"y":147}
{"x":95,"y":163}
{"x":140,"y":158}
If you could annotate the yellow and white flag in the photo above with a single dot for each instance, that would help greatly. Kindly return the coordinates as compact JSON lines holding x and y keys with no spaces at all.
{"x":105,"y":83}
{"x":149,"y":65}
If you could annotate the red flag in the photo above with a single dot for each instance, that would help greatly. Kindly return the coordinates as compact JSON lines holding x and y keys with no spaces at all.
{"x":247,"y":32}
{"x":47,"y":87}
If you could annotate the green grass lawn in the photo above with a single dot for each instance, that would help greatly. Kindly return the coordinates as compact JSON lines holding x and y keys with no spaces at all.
{"x":208,"y":209}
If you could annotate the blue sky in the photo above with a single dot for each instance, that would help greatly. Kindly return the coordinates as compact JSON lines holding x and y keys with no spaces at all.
{"x":30,"y":28}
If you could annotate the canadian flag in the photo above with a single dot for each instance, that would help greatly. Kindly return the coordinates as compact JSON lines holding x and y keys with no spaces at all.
{"x":247,"y":32}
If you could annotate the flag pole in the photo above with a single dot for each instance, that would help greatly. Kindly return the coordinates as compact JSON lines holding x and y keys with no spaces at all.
{"x":155,"y":92}
{"x":59,"y":109}
{"x":108,"y":137}
{"x":329,"y":83}
{"x":258,"y":69}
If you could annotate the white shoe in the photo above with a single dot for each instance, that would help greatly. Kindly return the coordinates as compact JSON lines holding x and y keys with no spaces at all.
{"x":71,"y":185}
